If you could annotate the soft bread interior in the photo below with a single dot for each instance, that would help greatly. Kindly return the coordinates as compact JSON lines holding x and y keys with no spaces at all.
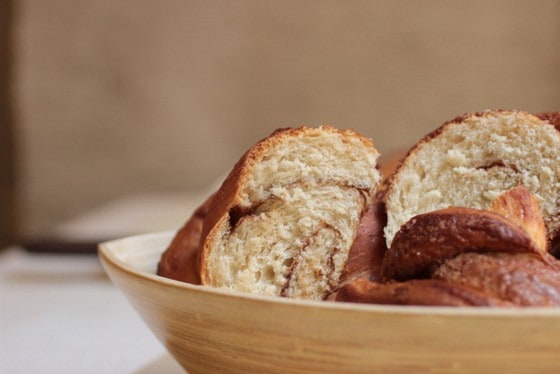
{"x":314,"y":156}
{"x":294,"y":244}
{"x":299,"y":211}
{"x":470,"y":163}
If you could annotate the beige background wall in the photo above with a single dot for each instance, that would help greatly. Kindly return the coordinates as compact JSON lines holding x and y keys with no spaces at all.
{"x":130,"y":96}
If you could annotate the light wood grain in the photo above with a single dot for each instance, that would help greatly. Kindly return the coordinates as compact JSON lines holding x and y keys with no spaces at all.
{"x":209,"y":330}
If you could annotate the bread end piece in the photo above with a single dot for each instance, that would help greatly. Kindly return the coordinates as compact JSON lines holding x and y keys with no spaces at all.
{"x":286,"y":216}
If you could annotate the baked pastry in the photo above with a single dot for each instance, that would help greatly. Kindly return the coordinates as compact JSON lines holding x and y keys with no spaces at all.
{"x":425,"y":292}
{"x":470,"y":160}
{"x":512,"y":224}
{"x":522,"y":208}
{"x":424,"y":242}
{"x":470,"y":257}
{"x":180,"y":259}
{"x":298,"y":216}
{"x":287,"y":216}
{"x":522,"y":279}
{"x":470,"y":279}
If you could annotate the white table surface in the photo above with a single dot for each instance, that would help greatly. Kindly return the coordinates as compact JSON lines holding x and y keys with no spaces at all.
{"x":61,"y":314}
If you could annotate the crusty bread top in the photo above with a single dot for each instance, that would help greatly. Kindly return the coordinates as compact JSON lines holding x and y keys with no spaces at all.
{"x":522,"y":279}
{"x":427,"y":292}
{"x":470,"y":160}
{"x":233,"y":192}
{"x":428,"y":239}
{"x":311,"y":180}
{"x":180,"y":259}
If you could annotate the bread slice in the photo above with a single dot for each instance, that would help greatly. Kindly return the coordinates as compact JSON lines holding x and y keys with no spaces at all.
{"x":285,"y":218}
{"x":470,"y":160}
{"x":428,"y":239}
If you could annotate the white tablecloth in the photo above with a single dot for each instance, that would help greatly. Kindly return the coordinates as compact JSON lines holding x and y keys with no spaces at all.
{"x":61,"y":314}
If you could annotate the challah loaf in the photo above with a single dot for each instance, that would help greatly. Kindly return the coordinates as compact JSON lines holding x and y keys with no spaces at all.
{"x":415,"y":292}
{"x":470,"y":160}
{"x":469,"y":215}
{"x":470,"y":257}
{"x":286,"y":217}
{"x":523,"y":279}
{"x":428,"y":239}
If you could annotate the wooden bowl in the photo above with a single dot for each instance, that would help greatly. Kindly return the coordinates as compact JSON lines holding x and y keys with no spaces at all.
{"x":210,"y":330}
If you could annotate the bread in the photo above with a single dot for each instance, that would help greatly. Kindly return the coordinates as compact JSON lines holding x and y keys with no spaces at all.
{"x":468,"y":214}
{"x":426,"y":292}
{"x":469,"y":161}
{"x":523,"y":279}
{"x":428,"y":239}
{"x":512,"y":224}
{"x":180,"y":259}
{"x":522,"y":208}
{"x":551,"y":117}
{"x":471,"y":257}
{"x":286,"y":217}
{"x":470,"y":279}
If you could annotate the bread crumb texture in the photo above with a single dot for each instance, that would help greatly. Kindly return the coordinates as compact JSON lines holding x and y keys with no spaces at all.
{"x":302,"y":193}
{"x":468,"y":162}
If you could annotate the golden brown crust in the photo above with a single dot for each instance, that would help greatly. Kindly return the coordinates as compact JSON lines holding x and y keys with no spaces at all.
{"x":389,"y":181}
{"x":228,"y":197}
{"x":385,"y":190}
{"x":180,"y":259}
{"x":426,"y":292}
{"x":427,"y":240}
{"x":551,"y":117}
{"x":523,"y":279}
{"x":224,"y":201}
{"x":522,"y":208}
{"x":470,"y":279}
{"x":473,"y":258}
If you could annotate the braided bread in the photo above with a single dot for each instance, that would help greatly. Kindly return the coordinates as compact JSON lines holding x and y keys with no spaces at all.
{"x":285,"y":219}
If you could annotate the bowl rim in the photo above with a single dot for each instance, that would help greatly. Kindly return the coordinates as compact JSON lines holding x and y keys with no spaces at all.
{"x":108,"y":258}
